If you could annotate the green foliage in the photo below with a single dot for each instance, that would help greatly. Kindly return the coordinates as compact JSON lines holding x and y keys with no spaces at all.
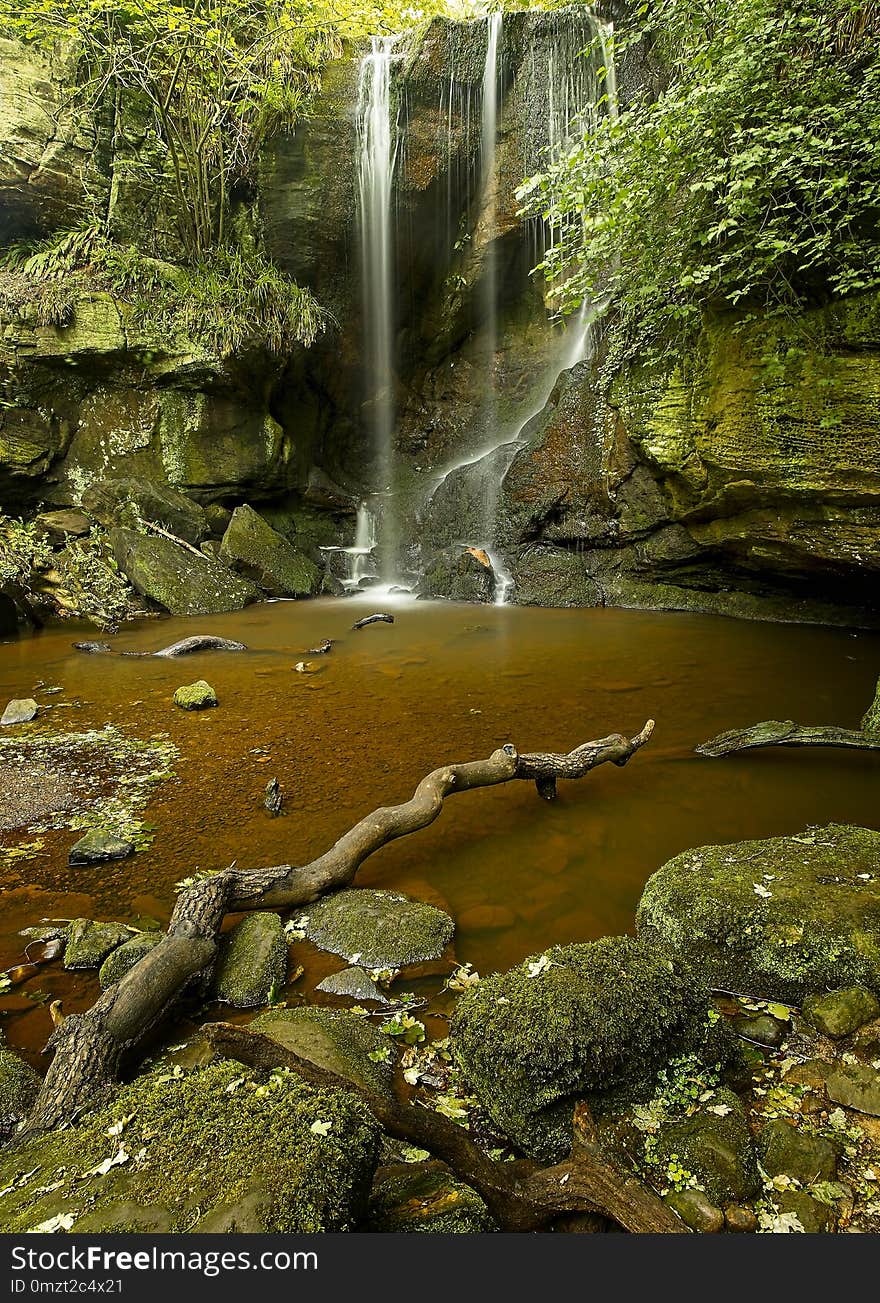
{"x":751,"y":180}
{"x":22,"y":551}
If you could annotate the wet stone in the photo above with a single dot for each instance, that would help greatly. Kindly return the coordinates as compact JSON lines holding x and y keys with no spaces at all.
{"x":762,"y":1030}
{"x":354,"y":983}
{"x":739,"y":1218}
{"x":815,"y":1217}
{"x":378,"y":929}
{"x":715,"y":1147}
{"x":334,"y":1039}
{"x":21,"y":710}
{"x":696,"y":1211}
{"x":122,"y":960}
{"x":855,"y":1086}
{"x":790,"y":1151}
{"x":89,"y":943}
{"x":195,"y":696}
{"x":98,"y":846}
{"x":425,"y":1198}
{"x":253,"y":961}
{"x":840,"y":1013}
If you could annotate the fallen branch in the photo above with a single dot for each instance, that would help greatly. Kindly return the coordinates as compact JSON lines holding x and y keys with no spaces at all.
{"x":89,"y":1047}
{"x":520,"y":1196}
{"x":786,"y":733}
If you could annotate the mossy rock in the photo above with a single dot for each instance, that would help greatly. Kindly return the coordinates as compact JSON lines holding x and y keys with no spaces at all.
{"x":425,"y":1198}
{"x":129,"y":502}
{"x":594,"y":1020}
{"x":840,"y":1013}
{"x":195,"y":696}
{"x":815,"y":1217}
{"x":98,"y":846}
{"x":253,"y":547}
{"x":696,"y":1211}
{"x":119,"y":961}
{"x":19,"y":1087}
{"x":789,"y":1150}
{"x":715,"y":1147}
{"x":457,"y":574}
{"x":814,"y":924}
{"x":89,"y":943}
{"x":223,"y":1148}
{"x":177,"y":579}
{"x":252,"y":962}
{"x":335,"y":1039}
{"x":378,"y":929}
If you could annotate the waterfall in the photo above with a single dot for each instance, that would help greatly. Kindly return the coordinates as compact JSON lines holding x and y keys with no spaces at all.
{"x":377,"y":149}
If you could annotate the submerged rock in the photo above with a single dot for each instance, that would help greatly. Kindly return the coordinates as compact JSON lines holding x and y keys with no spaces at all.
{"x":89,"y":943}
{"x":378,"y":929}
{"x":20,"y":711}
{"x":335,"y":1039}
{"x":426,"y":1198}
{"x":123,"y":959}
{"x":781,"y":918}
{"x":252,"y":962}
{"x":355,"y":984}
{"x":715,"y":1146}
{"x":595,"y":1020}
{"x":840,"y":1013}
{"x":265,"y":556}
{"x":195,"y":696}
{"x":98,"y":846}
{"x":219,"y":1149}
{"x":19,"y":1087}
{"x":185,"y":584}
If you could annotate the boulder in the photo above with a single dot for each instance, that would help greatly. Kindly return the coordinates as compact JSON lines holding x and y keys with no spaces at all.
{"x":255,"y":549}
{"x":425,"y":1198}
{"x":782,"y":918}
{"x":594,"y":1020}
{"x":19,"y":1087}
{"x":252,"y":961}
{"x":59,"y":526}
{"x":354,"y":984}
{"x":335,"y":1039}
{"x":129,"y":502}
{"x":124,"y":958}
{"x":715,"y":1146}
{"x":195,"y":696}
{"x":218,"y":1149}
{"x":89,"y":943}
{"x":19,"y":711}
{"x":791,"y":1151}
{"x":840,"y":1013}
{"x":378,"y":929}
{"x":98,"y":846}
{"x":460,"y":574}
{"x":178,"y":580}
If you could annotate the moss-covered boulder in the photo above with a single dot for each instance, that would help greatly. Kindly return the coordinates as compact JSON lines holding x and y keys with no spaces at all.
{"x":89,"y":943}
{"x":782,"y":918}
{"x":218,"y":1148}
{"x":426,"y":1198}
{"x":335,"y":1039}
{"x":195,"y":696}
{"x":98,"y":846}
{"x":124,"y":958}
{"x":177,"y":579}
{"x":255,"y":549}
{"x":378,"y":929}
{"x":19,"y":1087}
{"x":252,"y":962}
{"x":460,"y":574}
{"x":840,"y":1013}
{"x":131,"y":502}
{"x":714,"y":1147}
{"x":791,"y":1151}
{"x":593,"y":1020}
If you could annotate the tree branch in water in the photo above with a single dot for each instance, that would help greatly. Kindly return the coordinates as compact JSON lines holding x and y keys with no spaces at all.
{"x":786,"y":733}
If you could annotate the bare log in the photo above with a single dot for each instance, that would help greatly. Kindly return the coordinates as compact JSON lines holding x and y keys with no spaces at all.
{"x":519,"y":1196}
{"x":89,"y":1047}
{"x":786,"y":733}
{"x":373,"y":619}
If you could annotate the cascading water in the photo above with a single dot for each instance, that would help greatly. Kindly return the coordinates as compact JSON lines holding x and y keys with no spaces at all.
{"x":377,"y":150}
{"x":489,"y":221}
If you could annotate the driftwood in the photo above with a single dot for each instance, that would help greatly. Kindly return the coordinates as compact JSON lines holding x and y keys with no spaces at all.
{"x":786,"y":733}
{"x":521,"y":1196}
{"x":199,"y":642}
{"x":89,"y":1047}
{"x":373,"y":619}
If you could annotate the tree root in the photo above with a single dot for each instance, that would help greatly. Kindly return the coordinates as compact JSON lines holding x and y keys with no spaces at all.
{"x":89,"y":1047}
{"x":786,"y":733}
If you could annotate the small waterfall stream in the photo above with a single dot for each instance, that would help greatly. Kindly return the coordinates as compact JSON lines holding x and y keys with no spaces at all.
{"x":489,"y":222}
{"x":377,"y":151}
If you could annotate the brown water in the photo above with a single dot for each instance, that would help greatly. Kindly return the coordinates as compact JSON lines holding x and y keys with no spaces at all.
{"x":445,"y":682}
